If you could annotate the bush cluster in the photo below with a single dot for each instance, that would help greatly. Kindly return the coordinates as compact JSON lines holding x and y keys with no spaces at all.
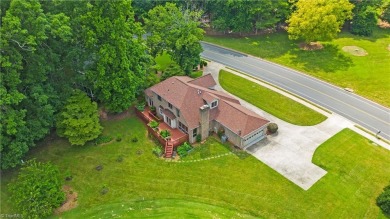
{"x":272,"y":128}
{"x":383,"y":200}
{"x":183,"y":149}
{"x":165,"y":133}
{"x":153,"y":124}
{"x":102,"y":139}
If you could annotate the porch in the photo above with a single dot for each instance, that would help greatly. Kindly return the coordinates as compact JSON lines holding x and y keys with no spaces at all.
{"x":177,"y":137}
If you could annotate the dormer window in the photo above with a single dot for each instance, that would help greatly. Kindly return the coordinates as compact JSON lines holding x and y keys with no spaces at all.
{"x":214,"y":104}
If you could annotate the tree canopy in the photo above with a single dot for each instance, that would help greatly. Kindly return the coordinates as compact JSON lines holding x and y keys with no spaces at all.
{"x":37,"y":190}
{"x":318,"y":20}
{"x":28,"y":98}
{"x":176,"y":32}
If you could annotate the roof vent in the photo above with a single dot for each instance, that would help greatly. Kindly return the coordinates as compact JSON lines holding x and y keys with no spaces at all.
{"x":239,"y":132}
{"x":199,"y":91}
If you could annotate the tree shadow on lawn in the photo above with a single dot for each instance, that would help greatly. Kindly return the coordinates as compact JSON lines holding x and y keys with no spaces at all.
{"x":329,"y":59}
{"x":272,"y":46}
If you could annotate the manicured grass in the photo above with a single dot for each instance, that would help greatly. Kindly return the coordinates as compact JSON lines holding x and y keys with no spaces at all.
{"x":368,"y":75}
{"x":196,"y":74}
{"x":226,"y":187}
{"x":269,"y":101}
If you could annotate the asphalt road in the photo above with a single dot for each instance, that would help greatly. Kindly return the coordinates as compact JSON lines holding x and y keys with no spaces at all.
{"x":359,"y":110}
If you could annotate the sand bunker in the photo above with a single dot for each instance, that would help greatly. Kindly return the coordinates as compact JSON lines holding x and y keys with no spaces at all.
{"x":355,"y":50}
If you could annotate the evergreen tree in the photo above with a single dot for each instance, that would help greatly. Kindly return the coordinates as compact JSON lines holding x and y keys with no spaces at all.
{"x":78,"y":120}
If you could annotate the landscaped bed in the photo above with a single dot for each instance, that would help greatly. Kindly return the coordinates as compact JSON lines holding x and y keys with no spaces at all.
{"x":141,"y":185}
{"x":368,"y":75}
{"x":269,"y":101}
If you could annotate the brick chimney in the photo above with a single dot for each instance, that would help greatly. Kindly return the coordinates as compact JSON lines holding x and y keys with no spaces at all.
{"x":204,"y":121}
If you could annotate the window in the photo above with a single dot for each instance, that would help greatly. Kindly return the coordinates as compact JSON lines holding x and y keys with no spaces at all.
{"x":159,"y":97}
{"x":170,"y":105}
{"x":161,"y":110}
{"x":178,"y":112}
{"x":214,"y":104}
{"x":183,"y":127}
{"x":195,"y":132}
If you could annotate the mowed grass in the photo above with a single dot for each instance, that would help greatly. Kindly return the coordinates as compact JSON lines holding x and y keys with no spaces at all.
{"x":231,"y":186}
{"x":368,"y":76}
{"x":274,"y":103}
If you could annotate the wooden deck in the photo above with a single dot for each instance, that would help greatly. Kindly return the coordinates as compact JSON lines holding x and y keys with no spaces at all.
{"x":177,"y":137}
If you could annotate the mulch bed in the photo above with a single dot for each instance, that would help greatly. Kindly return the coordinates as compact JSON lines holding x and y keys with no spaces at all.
{"x":70,"y":202}
{"x":311,"y":46}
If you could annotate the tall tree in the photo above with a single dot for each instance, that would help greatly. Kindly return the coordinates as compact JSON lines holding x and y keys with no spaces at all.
{"x":385,"y":15}
{"x":27,"y":60}
{"x":364,"y":16}
{"x":78,"y":120}
{"x":118,"y":60}
{"x":247,"y":16}
{"x":316,"y":20}
{"x":176,"y":32}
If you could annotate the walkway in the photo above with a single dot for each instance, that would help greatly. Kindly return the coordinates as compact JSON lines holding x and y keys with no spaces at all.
{"x":290,"y":151}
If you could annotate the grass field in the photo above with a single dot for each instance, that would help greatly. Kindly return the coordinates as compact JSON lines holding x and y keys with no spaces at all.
{"x":368,"y":75}
{"x":230,"y":186}
{"x":274,"y":103}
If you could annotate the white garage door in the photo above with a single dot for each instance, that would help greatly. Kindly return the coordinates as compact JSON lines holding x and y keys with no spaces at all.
{"x":253,"y":138}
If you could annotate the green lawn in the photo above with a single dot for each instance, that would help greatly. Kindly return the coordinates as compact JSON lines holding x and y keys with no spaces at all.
{"x":368,"y":75}
{"x":269,"y":101}
{"x":230,"y":186}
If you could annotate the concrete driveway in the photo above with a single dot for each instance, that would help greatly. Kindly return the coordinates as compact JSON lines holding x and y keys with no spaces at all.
{"x":290,"y":150}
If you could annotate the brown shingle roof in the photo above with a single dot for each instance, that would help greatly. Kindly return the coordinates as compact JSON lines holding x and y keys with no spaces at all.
{"x":189,"y":97}
{"x":206,"y":81}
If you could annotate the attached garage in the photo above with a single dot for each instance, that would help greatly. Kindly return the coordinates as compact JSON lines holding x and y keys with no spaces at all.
{"x":253,"y":138}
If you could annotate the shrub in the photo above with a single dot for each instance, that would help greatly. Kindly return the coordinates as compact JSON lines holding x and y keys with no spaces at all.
{"x":221,"y":132}
{"x":104,"y":190}
{"x":119,"y":159}
{"x":272,"y":128}
{"x":102,"y":139}
{"x":68,"y":175}
{"x":119,"y":138}
{"x":383,"y":200}
{"x":204,"y":63}
{"x":165,"y":133}
{"x":157,"y":151}
{"x":199,"y":138}
{"x":140,"y":106}
{"x":183,"y":149}
{"x":153,"y":124}
{"x":134,"y":139}
{"x":37,"y":190}
{"x":153,"y":110}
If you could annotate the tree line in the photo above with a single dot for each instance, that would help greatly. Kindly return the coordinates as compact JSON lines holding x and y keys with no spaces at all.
{"x":59,"y":57}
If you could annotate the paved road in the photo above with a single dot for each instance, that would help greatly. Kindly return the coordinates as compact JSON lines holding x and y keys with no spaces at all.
{"x":353,"y":107}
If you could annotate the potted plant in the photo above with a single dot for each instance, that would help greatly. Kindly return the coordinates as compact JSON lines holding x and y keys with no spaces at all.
{"x":153,"y":110}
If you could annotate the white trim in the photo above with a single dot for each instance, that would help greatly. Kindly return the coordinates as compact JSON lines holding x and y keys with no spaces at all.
{"x":211,"y":104}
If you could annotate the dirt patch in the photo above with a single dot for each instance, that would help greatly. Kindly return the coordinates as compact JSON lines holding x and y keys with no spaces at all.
{"x":388,"y":47}
{"x":119,"y":116}
{"x":383,"y":24}
{"x":355,"y":50}
{"x":70,"y":202}
{"x":311,"y":46}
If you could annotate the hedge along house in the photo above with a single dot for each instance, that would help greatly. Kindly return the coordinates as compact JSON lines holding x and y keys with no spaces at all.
{"x":195,"y":108}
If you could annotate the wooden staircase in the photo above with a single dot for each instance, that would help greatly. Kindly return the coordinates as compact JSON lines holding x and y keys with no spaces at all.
{"x":168,"y":149}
